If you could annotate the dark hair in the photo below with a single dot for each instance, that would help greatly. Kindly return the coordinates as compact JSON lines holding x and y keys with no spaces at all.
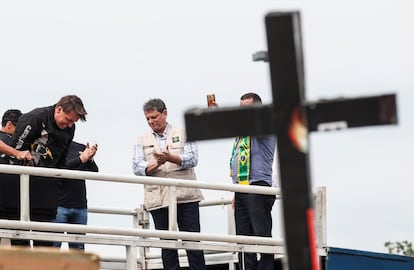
{"x":154,"y":103}
{"x":73,"y":103}
{"x":256,"y":98}
{"x":10,"y":115}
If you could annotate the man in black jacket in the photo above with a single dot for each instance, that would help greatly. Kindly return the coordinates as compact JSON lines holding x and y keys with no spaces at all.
{"x":47,"y":133}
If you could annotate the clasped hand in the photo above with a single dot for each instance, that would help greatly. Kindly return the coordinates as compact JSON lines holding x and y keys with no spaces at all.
{"x":162,"y":157}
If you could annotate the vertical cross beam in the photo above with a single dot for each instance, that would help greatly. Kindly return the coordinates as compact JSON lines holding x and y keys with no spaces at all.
{"x":287,"y":79}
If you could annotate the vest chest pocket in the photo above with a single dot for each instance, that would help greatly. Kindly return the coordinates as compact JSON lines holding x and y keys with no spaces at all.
{"x":148,"y":150}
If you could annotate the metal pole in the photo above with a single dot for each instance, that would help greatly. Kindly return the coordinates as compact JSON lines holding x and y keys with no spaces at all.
{"x":131,"y":258}
{"x":231,"y":229}
{"x":24,"y":197}
{"x":141,"y":221}
{"x":131,"y":251}
{"x":172,"y":208}
{"x":320,"y":216}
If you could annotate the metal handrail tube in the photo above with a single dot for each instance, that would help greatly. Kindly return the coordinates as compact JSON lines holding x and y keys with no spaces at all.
{"x":73,"y":174}
{"x":113,"y":211}
{"x":133,"y":212}
{"x":133,"y":242}
{"x":183,"y":253}
{"x":191,"y":236}
{"x":221,"y":201}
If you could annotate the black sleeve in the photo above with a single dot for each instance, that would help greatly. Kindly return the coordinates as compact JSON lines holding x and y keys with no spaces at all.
{"x":91,"y":166}
{"x":74,"y":162}
{"x":27,"y":131}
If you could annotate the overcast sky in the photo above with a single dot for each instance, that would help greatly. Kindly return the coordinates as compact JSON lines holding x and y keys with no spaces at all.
{"x":116,"y":55}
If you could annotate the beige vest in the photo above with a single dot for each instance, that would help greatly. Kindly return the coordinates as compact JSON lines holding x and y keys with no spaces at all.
{"x":156,"y":196}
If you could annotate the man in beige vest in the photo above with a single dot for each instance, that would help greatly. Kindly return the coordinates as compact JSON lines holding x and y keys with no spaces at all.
{"x":164,"y":152}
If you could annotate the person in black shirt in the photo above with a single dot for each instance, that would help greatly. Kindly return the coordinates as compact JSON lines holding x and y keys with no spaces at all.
{"x":8,"y":126}
{"x":9,"y":201}
{"x":72,"y":201}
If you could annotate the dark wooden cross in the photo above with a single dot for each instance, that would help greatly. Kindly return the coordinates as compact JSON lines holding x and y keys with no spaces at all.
{"x":291,"y":117}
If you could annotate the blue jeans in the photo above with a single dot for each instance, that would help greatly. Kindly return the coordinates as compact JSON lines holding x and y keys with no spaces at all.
{"x":188,"y":220}
{"x":71,"y":216}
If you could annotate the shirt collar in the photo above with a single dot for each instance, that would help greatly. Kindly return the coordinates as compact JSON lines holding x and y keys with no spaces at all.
{"x":164,"y":134}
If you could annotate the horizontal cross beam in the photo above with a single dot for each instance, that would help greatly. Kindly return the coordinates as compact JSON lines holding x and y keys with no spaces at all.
{"x":214,"y":123}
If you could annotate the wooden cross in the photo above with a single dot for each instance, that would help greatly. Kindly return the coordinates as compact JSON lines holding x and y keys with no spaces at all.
{"x":290,"y":117}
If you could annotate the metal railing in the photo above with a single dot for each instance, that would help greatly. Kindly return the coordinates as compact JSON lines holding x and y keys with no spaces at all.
{"x":140,"y":236}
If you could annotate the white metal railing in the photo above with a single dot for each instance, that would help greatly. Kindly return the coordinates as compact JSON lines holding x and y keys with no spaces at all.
{"x":153,"y":260}
{"x":140,"y":236}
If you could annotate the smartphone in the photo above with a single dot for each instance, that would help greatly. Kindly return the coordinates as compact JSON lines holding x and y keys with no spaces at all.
{"x":211,"y":100}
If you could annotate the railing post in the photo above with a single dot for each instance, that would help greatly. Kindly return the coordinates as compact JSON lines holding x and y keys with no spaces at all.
{"x":231,"y":229}
{"x":141,"y":221}
{"x":172,"y":208}
{"x":24,"y":204}
{"x":131,"y":258}
{"x":132,"y":251}
{"x":231,"y":224}
{"x":24,"y":197}
{"x":320,"y":216}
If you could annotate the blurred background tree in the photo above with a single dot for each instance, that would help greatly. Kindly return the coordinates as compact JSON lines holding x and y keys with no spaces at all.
{"x":401,"y":248}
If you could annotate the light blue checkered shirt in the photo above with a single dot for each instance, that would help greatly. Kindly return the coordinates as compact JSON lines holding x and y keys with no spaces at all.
{"x":189,"y":157}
